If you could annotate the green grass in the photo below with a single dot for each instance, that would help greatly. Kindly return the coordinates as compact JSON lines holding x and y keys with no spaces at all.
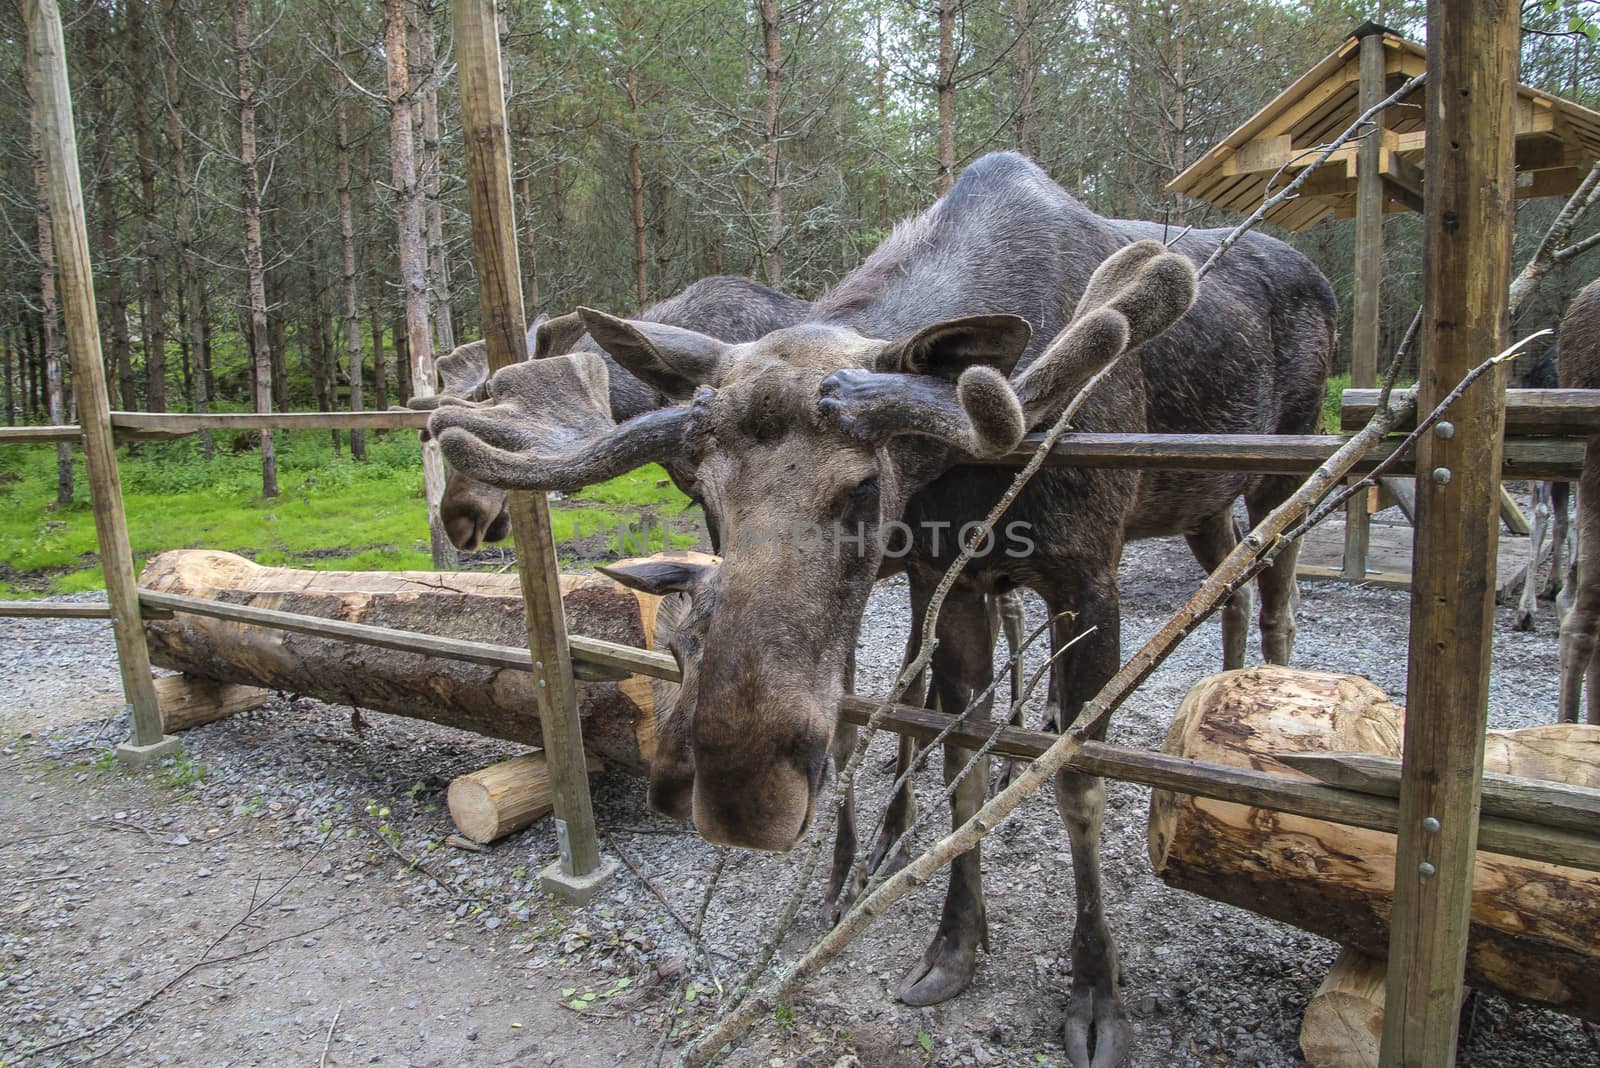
{"x":331,"y":512}
{"x":1331,"y":400}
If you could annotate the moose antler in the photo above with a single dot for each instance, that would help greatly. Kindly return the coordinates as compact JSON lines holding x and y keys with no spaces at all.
{"x":1138,"y":292}
{"x":549,"y":427}
{"x":464,"y":371}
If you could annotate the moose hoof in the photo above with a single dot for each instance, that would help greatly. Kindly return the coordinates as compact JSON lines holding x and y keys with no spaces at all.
{"x":1096,"y":1032}
{"x":1523,"y":621}
{"x":944,"y":971}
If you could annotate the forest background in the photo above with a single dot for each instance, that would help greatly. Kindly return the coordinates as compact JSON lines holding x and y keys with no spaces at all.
{"x":278,"y":215}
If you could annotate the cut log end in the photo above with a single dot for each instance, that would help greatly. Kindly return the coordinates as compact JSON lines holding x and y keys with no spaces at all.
{"x":502,"y":798}
{"x":189,"y":700}
{"x":1343,"y":1024}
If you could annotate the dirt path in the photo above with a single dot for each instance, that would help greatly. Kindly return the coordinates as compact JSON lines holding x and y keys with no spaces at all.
{"x":139,"y":876}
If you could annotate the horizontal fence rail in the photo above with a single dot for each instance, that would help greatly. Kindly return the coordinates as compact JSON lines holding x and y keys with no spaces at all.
{"x":1555,"y":837}
{"x":1552,"y":412}
{"x":1544,"y":458}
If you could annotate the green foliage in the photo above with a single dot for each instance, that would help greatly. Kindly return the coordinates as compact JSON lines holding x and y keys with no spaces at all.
{"x":1332,"y":400}
{"x":332,"y":513}
{"x":181,"y":770}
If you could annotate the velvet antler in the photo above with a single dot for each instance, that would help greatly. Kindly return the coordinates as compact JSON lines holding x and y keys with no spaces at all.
{"x":549,"y":427}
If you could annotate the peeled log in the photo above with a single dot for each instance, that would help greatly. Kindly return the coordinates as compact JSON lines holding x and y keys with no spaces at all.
{"x":1535,"y":927}
{"x":502,"y":798}
{"x":189,"y":701}
{"x":618,"y":717}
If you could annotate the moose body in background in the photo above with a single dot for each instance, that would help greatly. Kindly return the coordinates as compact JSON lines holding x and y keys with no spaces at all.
{"x":1579,"y":368}
{"x":865,"y":418}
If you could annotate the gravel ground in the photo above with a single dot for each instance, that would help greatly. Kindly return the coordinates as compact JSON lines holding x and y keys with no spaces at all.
{"x":304,"y":873}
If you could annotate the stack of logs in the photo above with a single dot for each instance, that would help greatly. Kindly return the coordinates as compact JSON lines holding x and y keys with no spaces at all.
{"x":229,"y":666}
{"x":1535,"y":927}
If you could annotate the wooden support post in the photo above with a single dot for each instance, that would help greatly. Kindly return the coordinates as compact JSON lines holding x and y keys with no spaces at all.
{"x":579,"y":872}
{"x":47,"y":52}
{"x":1369,"y":284}
{"x":1472,"y":80}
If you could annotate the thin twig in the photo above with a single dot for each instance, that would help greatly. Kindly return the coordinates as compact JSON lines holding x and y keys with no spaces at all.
{"x":694,"y":940}
{"x":650,"y":885}
{"x":327,"y":1043}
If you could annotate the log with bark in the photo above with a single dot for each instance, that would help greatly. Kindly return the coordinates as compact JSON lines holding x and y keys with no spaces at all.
{"x":618,"y":717}
{"x":1535,"y":927}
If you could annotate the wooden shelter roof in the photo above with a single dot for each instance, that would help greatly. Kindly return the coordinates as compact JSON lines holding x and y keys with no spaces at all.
{"x":1557,"y":141}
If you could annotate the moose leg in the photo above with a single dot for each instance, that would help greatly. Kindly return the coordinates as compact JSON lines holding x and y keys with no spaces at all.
{"x":1096,"y":1031}
{"x":1578,"y":630}
{"x":1280,"y":597}
{"x":963,"y":666}
{"x":1211,"y":543}
{"x":1527,"y":604}
{"x":1560,"y":538}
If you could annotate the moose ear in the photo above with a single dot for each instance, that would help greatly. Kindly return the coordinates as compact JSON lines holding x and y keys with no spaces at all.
{"x":553,"y":337}
{"x":659,"y":576}
{"x":673,"y":360}
{"x":946,"y":349}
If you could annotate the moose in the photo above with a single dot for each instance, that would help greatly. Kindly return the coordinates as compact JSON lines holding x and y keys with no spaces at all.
{"x":1579,"y":368}
{"x":725,"y":306}
{"x":969,"y":324}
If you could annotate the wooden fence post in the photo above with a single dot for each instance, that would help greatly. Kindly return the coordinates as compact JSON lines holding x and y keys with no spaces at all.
{"x":1368,"y":281}
{"x":580,"y":871}
{"x":1472,"y":82}
{"x":47,"y":52}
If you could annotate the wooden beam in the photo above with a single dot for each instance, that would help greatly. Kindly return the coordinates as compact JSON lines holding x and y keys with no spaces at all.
{"x":54,"y":610}
{"x":494,"y":242}
{"x":609,"y":660}
{"x":1368,"y":281}
{"x":1511,"y":514}
{"x":189,"y":422}
{"x":47,"y":53}
{"x":1573,"y":412}
{"x":1402,"y":181}
{"x":1532,"y":800}
{"x":1286,"y":454}
{"x":1471,"y":92}
{"x":1517,"y":838}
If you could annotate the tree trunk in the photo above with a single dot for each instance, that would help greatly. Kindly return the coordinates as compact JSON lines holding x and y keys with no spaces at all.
{"x":438,"y":263}
{"x":8,"y":345}
{"x":347,"y":245}
{"x":531,"y":241}
{"x":413,"y":273}
{"x":772,"y":56}
{"x":277,"y":309}
{"x":1535,"y":927}
{"x":119,"y":351}
{"x":380,"y":369}
{"x":947,"y":95}
{"x":47,"y":302}
{"x":251,"y":197}
{"x":155,"y":331}
{"x":1027,"y":72}
{"x":484,"y":607}
{"x":402,"y":359}
{"x":189,"y":280}
{"x":641,"y":269}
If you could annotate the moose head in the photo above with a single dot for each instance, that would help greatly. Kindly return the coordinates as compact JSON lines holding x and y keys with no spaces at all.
{"x":805,"y":445}
{"x":474,"y":512}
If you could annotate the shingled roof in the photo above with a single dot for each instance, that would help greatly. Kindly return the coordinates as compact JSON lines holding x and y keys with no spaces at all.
{"x":1557,"y":141}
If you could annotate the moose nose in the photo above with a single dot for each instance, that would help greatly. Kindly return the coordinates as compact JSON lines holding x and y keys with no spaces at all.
{"x":768,"y":809}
